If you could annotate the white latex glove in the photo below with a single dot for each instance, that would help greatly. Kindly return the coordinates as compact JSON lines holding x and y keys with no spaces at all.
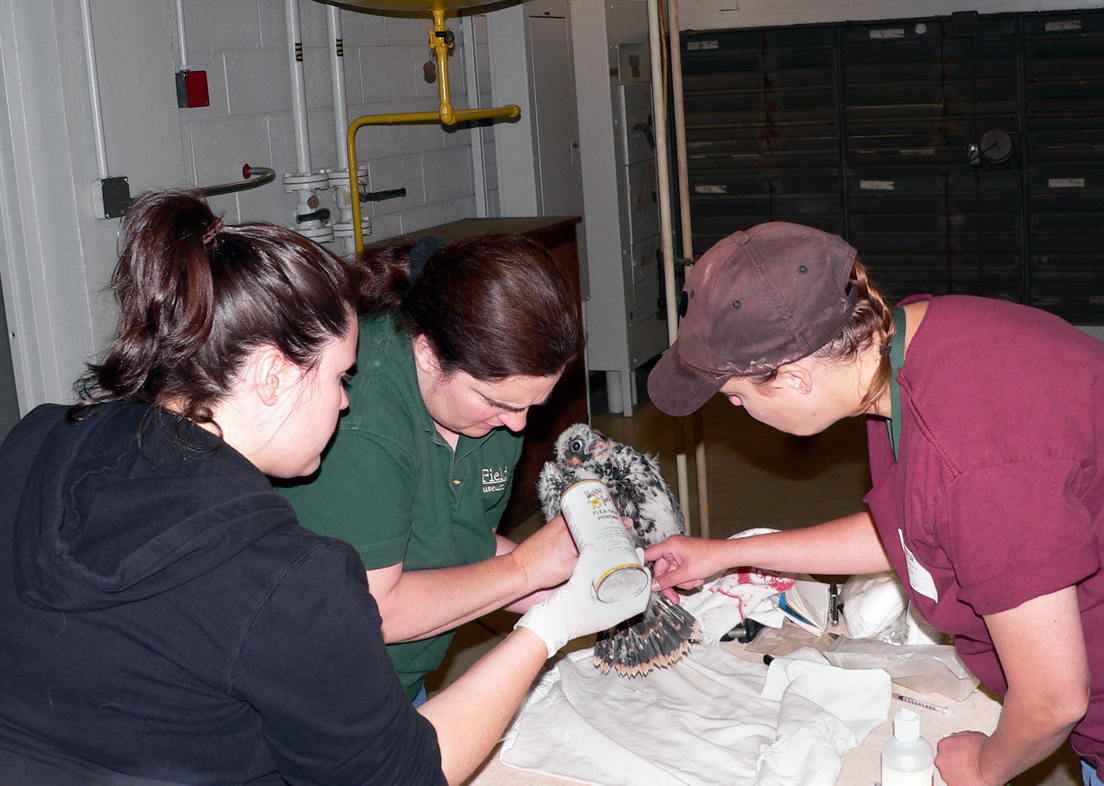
{"x":574,"y":610}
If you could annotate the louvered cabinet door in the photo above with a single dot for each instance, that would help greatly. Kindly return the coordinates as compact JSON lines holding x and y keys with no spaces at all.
{"x":762,"y":130}
{"x":930,"y":207}
{"x":960,"y":154}
{"x":1064,"y":109}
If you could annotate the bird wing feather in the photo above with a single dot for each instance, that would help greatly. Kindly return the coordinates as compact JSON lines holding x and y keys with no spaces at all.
{"x":550,"y":487}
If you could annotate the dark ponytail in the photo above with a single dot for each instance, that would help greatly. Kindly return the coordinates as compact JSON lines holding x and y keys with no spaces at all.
{"x":492,"y":306}
{"x":871,"y":321}
{"x":195,"y":297}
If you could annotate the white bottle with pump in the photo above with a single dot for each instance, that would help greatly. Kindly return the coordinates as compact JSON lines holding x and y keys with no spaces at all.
{"x":907,"y":758}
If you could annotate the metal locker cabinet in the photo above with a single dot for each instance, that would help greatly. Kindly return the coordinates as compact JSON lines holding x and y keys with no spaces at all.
{"x":925,"y":213}
{"x":1064,"y":110}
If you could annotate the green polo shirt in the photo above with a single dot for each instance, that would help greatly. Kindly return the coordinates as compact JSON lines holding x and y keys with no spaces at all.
{"x":391,"y":486}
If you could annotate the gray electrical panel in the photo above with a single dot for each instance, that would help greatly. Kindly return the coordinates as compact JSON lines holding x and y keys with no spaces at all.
{"x":625,"y":315}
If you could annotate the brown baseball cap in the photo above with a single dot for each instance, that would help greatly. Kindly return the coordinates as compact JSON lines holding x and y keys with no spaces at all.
{"x":756,"y":300}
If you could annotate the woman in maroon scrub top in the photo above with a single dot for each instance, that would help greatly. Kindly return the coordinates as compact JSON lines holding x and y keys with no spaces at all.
{"x":985,"y":428}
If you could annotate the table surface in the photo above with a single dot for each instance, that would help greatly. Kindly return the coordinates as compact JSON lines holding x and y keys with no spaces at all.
{"x":861,"y":765}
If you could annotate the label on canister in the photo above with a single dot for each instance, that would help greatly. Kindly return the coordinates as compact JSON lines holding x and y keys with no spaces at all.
{"x":594,"y":520}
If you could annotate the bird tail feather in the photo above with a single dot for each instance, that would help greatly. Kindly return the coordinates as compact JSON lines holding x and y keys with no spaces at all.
{"x":658,"y":638}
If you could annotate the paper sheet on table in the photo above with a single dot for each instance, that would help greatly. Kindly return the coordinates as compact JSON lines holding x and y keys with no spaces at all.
{"x":712,"y":718}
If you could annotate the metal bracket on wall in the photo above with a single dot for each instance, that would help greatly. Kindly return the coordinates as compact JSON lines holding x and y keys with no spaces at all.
{"x":255,"y":177}
{"x":111,"y":197}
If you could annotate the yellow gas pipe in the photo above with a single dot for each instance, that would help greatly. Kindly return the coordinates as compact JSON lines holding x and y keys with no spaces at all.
{"x":446,"y":114}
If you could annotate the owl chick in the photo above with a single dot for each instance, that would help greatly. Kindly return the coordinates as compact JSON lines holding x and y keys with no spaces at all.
{"x":662,"y":634}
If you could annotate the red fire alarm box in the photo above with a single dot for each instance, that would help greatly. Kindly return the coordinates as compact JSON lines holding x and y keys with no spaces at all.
{"x":191,"y":89}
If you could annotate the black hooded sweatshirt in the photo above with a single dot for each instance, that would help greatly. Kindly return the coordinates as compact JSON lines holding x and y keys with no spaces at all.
{"x":164,"y":619}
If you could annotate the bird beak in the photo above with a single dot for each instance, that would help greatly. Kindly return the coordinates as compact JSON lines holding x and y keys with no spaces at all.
{"x":598,"y":443}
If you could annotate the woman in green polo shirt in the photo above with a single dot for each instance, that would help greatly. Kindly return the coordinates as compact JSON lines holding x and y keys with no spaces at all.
{"x":456,"y":343}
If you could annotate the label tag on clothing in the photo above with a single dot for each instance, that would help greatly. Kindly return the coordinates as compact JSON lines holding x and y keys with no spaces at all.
{"x":920,"y":578}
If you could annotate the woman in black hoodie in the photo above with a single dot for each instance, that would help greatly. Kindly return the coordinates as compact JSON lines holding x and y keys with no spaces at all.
{"x":163,"y":617}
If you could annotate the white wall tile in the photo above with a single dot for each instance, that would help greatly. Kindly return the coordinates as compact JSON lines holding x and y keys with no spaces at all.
{"x":399,"y":172}
{"x":386,"y":73}
{"x":189,"y":158}
{"x":447,"y":174}
{"x":222,"y":147}
{"x":316,"y":78}
{"x":418,"y":137}
{"x":457,"y":135}
{"x":222,"y":24}
{"x":312,"y":24}
{"x":423,"y":217}
{"x":373,"y":141}
{"x":268,"y":203}
{"x":320,"y":131}
{"x":413,"y":137}
{"x":323,"y":139}
{"x":419,"y":104}
{"x":385,"y":227}
{"x":354,"y":91}
{"x":461,"y":208}
{"x":363,"y":28}
{"x":242,"y":44}
{"x":411,"y":31}
{"x":281,"y":142}
{"x":258,"y":81}
{"x":460,"y":101}
{"x":273,"y":22}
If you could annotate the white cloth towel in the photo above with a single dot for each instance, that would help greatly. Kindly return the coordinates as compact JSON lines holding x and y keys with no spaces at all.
{"x":710,"y":719}
{"x":724,"y":603}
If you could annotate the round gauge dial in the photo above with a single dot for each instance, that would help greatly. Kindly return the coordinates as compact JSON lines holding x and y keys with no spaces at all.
{"x":996,"y":146}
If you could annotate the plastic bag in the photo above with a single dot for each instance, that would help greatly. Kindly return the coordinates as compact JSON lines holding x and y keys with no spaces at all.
{"x":874,"y":607}
{"x":932,"y":668}
{"x":777,"y":642}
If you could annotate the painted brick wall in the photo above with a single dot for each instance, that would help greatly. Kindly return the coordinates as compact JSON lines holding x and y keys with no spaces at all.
{"x":242,"y":45}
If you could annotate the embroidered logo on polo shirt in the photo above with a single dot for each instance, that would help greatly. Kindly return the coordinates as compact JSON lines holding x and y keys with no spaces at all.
{"x":495,"y":480}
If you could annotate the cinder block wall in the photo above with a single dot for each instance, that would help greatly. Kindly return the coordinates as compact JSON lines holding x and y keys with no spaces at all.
{"x":242,"y":45}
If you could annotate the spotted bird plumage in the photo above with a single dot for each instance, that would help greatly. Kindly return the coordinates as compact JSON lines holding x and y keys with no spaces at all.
{"x":663,"y":633}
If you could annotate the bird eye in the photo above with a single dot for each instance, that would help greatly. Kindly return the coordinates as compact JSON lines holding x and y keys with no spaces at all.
{"x":576,"y":445}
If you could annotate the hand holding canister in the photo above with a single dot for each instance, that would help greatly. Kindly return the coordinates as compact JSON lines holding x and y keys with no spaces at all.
{"x":598,"y":596}
{"x":593,"y":519}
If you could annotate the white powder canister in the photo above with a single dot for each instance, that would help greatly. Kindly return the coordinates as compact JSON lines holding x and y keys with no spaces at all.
{"x":594,"y":520}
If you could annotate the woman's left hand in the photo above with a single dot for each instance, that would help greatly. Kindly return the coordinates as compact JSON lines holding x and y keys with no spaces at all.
{"x":1041,"y":647}
{"x":957,"y":758}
